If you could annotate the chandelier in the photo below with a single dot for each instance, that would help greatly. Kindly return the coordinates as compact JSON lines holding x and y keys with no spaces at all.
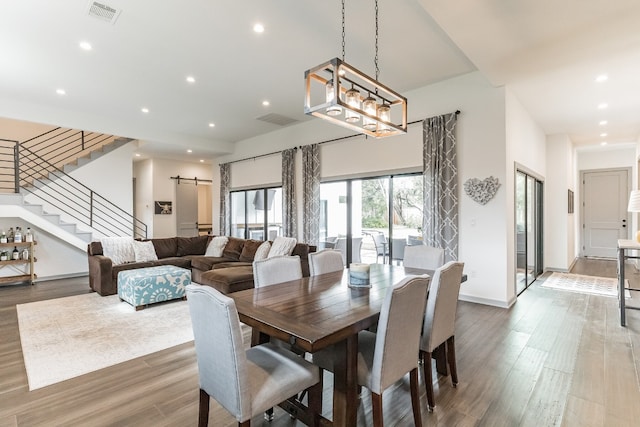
{"x":342,"y":94}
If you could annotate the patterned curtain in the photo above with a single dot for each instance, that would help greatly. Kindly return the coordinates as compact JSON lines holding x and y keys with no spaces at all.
{"x":289,"y":213}
{"x":225,"y":207}
{"x":440,"y":173}
{"x":311,"y":194}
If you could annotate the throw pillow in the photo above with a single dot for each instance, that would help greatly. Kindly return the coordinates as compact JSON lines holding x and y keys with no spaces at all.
{"x":192,"y":245}
{"x":262,"y":252}
{"x":216,"y":246}
{"x":282,"y":246}
{"x":249,"y":250}
{"x":144,"y":251}
{"x":119,"y":249}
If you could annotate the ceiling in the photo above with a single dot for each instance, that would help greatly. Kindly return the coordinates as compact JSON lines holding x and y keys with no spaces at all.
{"x":548,"y":53}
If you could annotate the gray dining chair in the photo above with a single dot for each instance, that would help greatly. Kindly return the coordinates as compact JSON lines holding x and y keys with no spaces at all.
{"x":245,"y":383}
{"x":439,"y":322}
{"x":423,"y":256}
{"x":325,"y":261}
{"x":277,"y":269}
{"x":388,"y":355}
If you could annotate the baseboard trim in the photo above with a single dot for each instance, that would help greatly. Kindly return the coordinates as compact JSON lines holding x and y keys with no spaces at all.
{"x":487,"y":301}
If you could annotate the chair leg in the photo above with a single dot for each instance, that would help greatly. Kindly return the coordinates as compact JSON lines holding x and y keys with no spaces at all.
{"x":245,"y":424}
{"x":268,"y":415}
{"x":203,"y":411}
{"x":376,"y":403}
{"x":314,"y":403}
{"x":415,"y":396}
{"x":428,"y":379}
{"x":451,"y":356}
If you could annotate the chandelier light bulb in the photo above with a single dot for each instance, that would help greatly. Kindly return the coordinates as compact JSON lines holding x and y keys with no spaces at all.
{"x":370,"y":107}
{"x":330,"y":94}
{"x":384,"y":114}
{"x":352,"y":97}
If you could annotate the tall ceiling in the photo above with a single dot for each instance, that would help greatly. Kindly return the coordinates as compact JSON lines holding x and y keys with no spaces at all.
{"x":548,"y":53}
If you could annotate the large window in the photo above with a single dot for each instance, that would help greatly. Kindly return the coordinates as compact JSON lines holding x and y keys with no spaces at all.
{"x":256,"y":214}
{"x":372,"y":219}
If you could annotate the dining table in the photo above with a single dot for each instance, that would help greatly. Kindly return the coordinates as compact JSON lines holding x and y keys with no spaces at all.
{"x":313,"y":313}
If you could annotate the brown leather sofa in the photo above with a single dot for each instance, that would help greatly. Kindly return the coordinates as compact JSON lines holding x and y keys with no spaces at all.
{"x":230,"y":273}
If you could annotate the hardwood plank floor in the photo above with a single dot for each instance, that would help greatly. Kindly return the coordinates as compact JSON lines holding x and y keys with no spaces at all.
{"x":554,"y":359}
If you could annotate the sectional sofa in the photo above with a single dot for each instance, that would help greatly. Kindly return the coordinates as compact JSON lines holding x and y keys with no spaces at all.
{"x":229,"y":273}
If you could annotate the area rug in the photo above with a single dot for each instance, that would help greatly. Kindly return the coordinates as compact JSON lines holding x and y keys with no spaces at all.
{"x":604,"y":286}
{"x":67,"y":337}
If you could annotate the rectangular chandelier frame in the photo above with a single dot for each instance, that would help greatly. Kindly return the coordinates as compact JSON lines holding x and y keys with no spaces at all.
{"x":344,"y":78}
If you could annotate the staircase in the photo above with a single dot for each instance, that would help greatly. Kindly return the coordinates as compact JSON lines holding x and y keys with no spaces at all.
{"x":35,"y":185}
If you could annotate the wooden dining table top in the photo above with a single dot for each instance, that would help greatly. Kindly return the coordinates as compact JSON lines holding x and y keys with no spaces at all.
{"x":314,"y":312}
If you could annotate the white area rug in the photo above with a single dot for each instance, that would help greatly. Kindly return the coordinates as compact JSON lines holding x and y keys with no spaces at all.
{"x":584,"y":284}
{"x":67,"y":337}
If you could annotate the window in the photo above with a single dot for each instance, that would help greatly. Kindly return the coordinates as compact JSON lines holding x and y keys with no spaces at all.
{"x":256,"y":214}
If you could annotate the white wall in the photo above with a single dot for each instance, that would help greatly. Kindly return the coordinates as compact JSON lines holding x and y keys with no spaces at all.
{"x":525,"y":146}
{"x":481,"y":153}
{"x":559,"y":225}
{"x":143,"y":172}
{"x":162,"y":188}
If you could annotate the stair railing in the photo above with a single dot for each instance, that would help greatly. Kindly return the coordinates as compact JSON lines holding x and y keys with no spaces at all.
{"x":44,"y":180}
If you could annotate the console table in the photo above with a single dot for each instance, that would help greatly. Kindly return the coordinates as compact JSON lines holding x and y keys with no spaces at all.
{"x":623,"y":247}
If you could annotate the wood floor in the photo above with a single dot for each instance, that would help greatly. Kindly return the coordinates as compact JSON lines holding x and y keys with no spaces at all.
{"x":554,"y":358}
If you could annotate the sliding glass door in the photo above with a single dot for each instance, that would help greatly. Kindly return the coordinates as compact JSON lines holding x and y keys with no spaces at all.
{"x":528,"y":230}
{"x":256,"y":214}
{"x":371,"y":220}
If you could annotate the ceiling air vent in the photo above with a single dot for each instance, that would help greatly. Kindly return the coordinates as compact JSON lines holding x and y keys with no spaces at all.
{"x":103,"y":12}
{"x":277,"y":119}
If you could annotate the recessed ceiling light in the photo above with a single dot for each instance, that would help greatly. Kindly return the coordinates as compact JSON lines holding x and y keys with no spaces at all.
{"x":137,"y":154}
{"x":191,"y":79}
{"x":603,"y":122}
{"x":603,"y":143}
{"x":265,"y":103}
{"x":201,"y":160}
{"x":189,"y":151}
{"x":144,"y":110}
{"x":602,"y":78}
{"x":602,"y":106}
{"x":603,"y":134}
{"x":258,"y":28}
{"x":85,"y":46}
{"x":61,"y":92}
{"x":212,"y":125}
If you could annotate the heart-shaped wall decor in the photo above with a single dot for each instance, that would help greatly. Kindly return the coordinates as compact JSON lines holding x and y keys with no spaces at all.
{"x":481,"y":191}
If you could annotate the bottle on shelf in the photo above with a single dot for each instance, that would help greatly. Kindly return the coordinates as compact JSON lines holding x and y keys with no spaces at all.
{"x":15,"y":255}
{"x":25,"y":254}
{"x":10,"y":236}
{"x":17,"y":238}
{"x":3,"y":237}
{"x":28,"y":236}
{"x":4,"y":256}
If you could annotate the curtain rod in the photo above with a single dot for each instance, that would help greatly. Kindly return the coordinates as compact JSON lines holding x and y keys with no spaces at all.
{"x":319,"y":143}
{"x":179,"y":178}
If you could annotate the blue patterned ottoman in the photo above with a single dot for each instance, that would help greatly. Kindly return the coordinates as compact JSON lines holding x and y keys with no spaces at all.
{"x":144,"y":286}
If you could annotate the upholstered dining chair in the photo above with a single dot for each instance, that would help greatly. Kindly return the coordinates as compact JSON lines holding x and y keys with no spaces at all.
{"x":439,"y":322}
{"x":356,"y":245}
{"x":277,"y":269}
{"x":325,"y":261}
{"x":245,"y":383}
{"x":423,"y":256}
{"x":388,"y":355}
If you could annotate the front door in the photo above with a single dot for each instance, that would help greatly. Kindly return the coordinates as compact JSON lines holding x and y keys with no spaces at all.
{"x":605,"y":217}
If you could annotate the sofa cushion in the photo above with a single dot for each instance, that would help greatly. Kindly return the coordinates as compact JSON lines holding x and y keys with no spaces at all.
{"x":233,"y":248}
{"x":206,"y":263}
{"x":215,"y":248}
{"x":249,"y":250}
{"x":192,"y":245}
{"x":227,"y":280}
{"x":165,"y":248}
{"x":232,"y":264}
{"x":176,"y":261}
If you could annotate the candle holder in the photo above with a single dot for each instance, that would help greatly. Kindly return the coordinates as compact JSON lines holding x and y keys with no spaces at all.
{"x":359,"y":276}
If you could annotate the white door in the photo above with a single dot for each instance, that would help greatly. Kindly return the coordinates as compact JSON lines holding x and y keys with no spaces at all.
{"x":186,"y":209}
{"x":605,"y":217}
